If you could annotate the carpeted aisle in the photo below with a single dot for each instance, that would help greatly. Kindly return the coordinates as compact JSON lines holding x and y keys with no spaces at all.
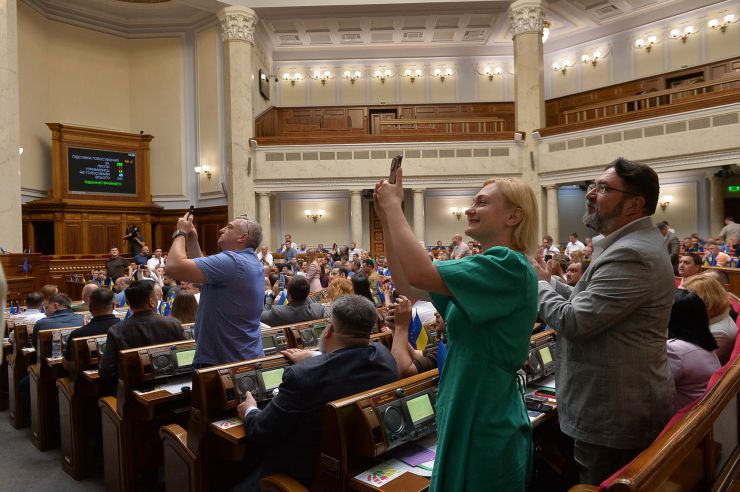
{"x":23,"y":468}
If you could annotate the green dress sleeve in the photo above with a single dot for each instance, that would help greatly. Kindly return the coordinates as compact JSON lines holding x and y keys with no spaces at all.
{"x":484,"y":286}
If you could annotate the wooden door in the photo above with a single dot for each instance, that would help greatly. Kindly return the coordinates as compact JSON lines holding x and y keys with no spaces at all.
{"x":377,"y":240}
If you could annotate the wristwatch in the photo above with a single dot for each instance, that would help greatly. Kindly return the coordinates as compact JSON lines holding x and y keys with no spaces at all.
{"x":179,"y":233}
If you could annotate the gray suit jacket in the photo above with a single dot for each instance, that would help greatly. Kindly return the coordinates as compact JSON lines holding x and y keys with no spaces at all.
{"x":672,"y":243}
{"x":614,"y":383}
{"x":295,"y":312}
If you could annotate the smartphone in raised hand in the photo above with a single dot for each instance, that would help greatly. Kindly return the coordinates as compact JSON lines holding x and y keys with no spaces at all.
{"x":395,"y":166}
{"x":190,"y":211}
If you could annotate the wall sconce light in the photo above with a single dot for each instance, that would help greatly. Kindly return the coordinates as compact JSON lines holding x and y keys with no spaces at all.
{"x":20,"y":150}
{"x":457,"y":212}
{"x":352,"y":76}
{"x":412,"y":75}
{"x":314,"y":215}
{"x":295,"y":78}
{"x":592,"y":58}
{"x":665,"y":201}
{"x":323,"y":77}
{"x":726,"y":21}
{"x":491,"y":72}
{"x":562,"y":67}
{"x":687,"y":31}
{"x":441,"y":74}
{"x":648,"y":45}
{"x":545,"y":31}
{"x":203,"y":169}
{"x":383,"y":74}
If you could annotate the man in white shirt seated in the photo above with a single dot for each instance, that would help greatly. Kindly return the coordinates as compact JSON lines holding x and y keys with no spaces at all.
{"x":33,"y":313}
{"x":264,"y":256}
{"x":303,"y":249}
{"x":155,"y":261}
{"x":573,"y":244}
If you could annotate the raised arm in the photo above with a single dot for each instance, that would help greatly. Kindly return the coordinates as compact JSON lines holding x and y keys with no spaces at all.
{"x":403,"y":249}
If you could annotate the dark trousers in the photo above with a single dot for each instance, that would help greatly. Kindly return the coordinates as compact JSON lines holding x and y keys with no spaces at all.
{"x":24,"y":394}
{"x":597,"y":463}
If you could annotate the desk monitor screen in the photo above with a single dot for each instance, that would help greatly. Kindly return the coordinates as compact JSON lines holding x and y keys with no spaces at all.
{"x":272,"y":378}
{"x":268,"y":341}
{"x":185,"y":357}
{"x":101,"y":171}
{"x":318,"y":329}
{"x":420,"y":408}
{"x":546,"y":355}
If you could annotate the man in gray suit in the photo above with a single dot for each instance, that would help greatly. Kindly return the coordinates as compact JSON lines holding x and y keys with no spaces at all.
{"x":299,"y":308}
{"x":672,"y":244}
{"x":614,"y":384}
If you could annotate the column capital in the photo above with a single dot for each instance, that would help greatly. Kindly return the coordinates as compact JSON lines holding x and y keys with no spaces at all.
{"x":356,"y":192}
{"x":237,"y":24}
{"x":552,"y":187}
{"x":264,"y":193}
{"x":419,"y":190}
{"x":527,"y":16}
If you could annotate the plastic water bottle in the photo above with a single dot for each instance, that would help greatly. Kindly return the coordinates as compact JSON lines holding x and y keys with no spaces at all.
{"x":56,"y":344}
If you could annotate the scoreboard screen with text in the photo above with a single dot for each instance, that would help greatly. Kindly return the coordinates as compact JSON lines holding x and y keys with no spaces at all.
{"x":101,"y":171}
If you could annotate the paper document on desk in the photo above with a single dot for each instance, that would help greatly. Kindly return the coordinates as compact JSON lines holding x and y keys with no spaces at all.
{"x":228,"y":423}
{"x":413,"y":454}
{"x":380,"y":475}
{"x":175,"y":387}
{"x":423,"y":470}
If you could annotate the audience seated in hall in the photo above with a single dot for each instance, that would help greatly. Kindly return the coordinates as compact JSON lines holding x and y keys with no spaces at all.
{"x":368,"y":268}
{"x":715,"y":299}
{"x":264,"y":256}
{"x":287,"y":431}
{"x":714,"y":256}
{"x":144,"y":327}
{"x":691,"y":347}
{"x":361,"y":286}
{"x":722,"y":278}
{"x":288,"y":252}
{"x":101,"y":308}
{"x":34,"y":301}
{"x":47,"y":291}
{"x":86,"y":291}
{"x":143,"y":257}
{"x":299,"y":307}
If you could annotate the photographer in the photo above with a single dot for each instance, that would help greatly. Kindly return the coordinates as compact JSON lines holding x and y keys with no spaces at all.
{"x":143,"y":273}
{"x":135,"y":240}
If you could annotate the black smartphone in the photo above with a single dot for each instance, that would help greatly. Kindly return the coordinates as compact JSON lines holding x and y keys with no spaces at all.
{"x":548,"y":257}
{"x":190,"y":211}
{"x":281,"y":282}
{"x":395,"y":165}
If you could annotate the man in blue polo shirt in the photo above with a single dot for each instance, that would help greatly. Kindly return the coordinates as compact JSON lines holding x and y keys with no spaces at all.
{"x":227,"y":326}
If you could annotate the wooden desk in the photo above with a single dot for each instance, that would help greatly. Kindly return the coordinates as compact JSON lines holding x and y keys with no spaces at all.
{"x":79,"y":415}
{"x":131,"y":421}
{"x":43,"y":376}
{"x":207,"y":456}
{"x":22,"y":357}
{"x":733,"y":274}
{"x":7,"y":349}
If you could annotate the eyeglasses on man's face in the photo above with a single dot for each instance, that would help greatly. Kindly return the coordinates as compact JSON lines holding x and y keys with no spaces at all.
{"x":601,"y":188}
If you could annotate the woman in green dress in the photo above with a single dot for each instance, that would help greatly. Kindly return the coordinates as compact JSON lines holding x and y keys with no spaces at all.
{"x":489,"y":303}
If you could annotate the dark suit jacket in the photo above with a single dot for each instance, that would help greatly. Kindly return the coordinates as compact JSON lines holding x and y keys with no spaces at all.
{"x":295,"y":312}
{"x":140,"y":330}
{"x":288,"y":430}
{"x":97,"y":326}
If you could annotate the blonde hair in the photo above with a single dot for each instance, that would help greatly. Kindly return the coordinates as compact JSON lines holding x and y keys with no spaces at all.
{"x":339,"y":287}
{"x":520,"y":195}
{"x":711,"y":292}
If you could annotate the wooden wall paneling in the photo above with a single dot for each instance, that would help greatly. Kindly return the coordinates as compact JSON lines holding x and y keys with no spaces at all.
{"x":357,"y":118}
{"x":73,"y":237}
{"x":209,"y":237}
{"x":96,"y":237}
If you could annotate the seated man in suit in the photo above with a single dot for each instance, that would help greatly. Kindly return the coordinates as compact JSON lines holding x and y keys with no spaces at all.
{"x":288,"y":430}
{"x":86,"y":291}
{"x":101,"y":307}
{"x":300,"y":308}
{"x":144,"y":327}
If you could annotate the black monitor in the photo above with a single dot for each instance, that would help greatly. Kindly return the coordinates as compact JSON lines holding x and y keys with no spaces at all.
{"x":95,"y":171}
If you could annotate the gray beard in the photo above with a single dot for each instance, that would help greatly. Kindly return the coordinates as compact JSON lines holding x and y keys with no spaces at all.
{"x":601,"y":223}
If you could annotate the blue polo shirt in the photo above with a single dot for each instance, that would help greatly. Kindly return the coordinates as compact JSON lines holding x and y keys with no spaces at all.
{"x":227,"y":326}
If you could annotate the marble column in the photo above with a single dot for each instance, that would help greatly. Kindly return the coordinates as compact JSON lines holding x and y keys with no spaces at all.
{"x":237,"y":33}
{"x":553,"y":223}
{"x":356,"y":217}
{"x":716,"y":205}
{"x":264,"y":220}
{"x":527,"y":17}
{"x":10,"y":161}
{"x":419,"y":214}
